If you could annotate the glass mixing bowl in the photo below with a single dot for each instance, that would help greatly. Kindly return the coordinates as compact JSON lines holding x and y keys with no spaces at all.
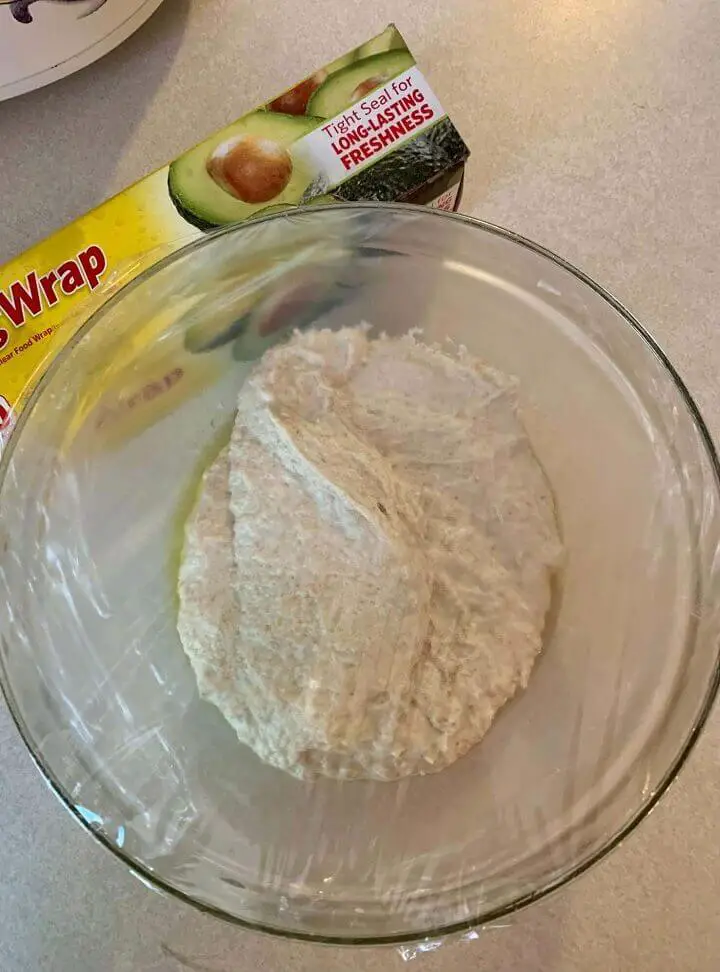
{"x":102,"y":469}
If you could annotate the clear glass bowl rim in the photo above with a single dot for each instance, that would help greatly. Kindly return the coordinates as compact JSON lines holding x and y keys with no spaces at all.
{"x":157,"y":883}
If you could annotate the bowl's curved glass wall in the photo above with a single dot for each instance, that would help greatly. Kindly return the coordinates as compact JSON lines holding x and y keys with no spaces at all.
{"x":102,"y":469}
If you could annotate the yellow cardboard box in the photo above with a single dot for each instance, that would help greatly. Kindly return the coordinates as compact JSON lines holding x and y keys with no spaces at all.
{"x":366,"y":127}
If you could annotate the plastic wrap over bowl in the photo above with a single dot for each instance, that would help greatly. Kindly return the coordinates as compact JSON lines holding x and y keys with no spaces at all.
{"x":101,"y":471}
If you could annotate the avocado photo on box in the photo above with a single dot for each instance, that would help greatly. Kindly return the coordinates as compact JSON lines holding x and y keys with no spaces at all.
{"x":365,"y":128}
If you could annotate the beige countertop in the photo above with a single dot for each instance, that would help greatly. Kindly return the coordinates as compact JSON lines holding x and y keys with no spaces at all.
{"x":594,"y":129}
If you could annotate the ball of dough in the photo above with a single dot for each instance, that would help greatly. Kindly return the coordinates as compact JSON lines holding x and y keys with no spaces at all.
{"x":367,"y":570}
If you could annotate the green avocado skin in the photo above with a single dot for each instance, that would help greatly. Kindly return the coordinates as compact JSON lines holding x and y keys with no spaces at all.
{"x":198,"y":341}
{"x":187,"y":214}
{"x":200,"y":201}
{"x":251,"y":345}
{"x":336,"y":94}
{"x":390,"y":40}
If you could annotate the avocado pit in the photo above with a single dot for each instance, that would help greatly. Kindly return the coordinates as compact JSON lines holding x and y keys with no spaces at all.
{"x":365,"y":87}
{"x":295,"y":101}
{"x":252,"y":169}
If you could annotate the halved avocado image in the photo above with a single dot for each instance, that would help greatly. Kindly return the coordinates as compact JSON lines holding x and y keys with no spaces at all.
{"x":351,"y":84}
{"x":241,"y":170}
{"x":294,"y":307}
{"x":390,"y":40}
{"x":218,"y":320}
{"x":203,"y":337}
{"x":341,"y":62}
{"x":295,"y":100}
{"x":275,"y":292}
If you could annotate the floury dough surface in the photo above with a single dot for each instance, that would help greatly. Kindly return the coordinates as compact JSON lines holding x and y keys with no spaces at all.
{"x":368,"y":567}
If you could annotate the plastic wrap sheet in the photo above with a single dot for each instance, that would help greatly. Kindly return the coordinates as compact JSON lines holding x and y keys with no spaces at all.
{"x":101,"y":472}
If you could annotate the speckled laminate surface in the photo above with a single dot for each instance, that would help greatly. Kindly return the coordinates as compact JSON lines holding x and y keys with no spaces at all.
{"x":594,"y":128}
